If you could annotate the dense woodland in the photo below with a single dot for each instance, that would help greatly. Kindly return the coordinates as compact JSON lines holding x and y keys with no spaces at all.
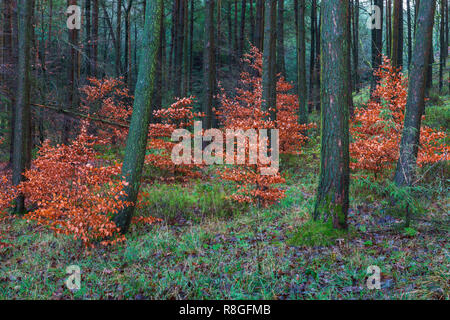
{"x":93,"y":91}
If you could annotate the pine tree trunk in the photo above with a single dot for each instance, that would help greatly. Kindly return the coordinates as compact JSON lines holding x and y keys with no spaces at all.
{"x":377,"y":48}
{"x":142,"y":108}
{"x":242,"y":31}
{"x":409,"y":144}
{"x":95,"y":38}
{"x":269,"y":59}
{"x":281,"y":64}
{"x":333,"y":192}
{"x":397,"y":34}
{"x":301,"y":56}
{"x":22,"y":126}
{"x":209,"y":72}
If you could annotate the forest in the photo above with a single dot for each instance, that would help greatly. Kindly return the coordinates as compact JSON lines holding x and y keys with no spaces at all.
{"x":224,"y":150}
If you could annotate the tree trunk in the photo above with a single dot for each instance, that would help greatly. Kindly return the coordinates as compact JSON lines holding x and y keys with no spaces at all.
{"x":397,"y":35}
{"x":408,"y":9}
{"x":377,"y":48}
{"x":332,"y":200}
{"x":95,"y":37}
{"x":281,"y":64}
{"x":209,"y":72}
{"x":118,"y":38}
{"x":269,"y":60}
{"x":22,"y":126}
{"x":88,"y":36}
{"x":142,"y":108}
{"x":443,"y":45}
{"x":301,"y":56}
{"x":242,"y":34}
{"x":409,"y":144}
{"x":259,"y":32}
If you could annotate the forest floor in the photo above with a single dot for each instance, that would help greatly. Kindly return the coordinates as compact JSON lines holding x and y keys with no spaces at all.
{"x":206,"y":249}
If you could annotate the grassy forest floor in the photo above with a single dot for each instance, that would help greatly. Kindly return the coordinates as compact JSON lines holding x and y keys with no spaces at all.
{"x":209,"y":248}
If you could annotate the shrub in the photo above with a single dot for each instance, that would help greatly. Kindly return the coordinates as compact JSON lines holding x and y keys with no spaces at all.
{"x":377,"y":129}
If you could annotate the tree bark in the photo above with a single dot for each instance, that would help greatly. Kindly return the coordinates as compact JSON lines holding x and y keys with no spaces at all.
{"x":332,"y":200}
{"x":397,"y":35}
{"x":142,"y":108}
{"x":269,"y":60}
{"x":281,"y":64}
{"x":209,"y":70}
{"x":22,"y":126}
{"x":301,"y":56}
{"x":377,"y":48}
{"x":409,"y":145}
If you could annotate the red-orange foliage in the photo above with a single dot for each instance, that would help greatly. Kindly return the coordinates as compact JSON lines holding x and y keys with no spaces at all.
{"x":74,"y":194}
{"x":7,"y":195}
{"x":244,"y":111}
{"x":178,"y":116}
{"x":110,"y":100}
{"x":377,"y":128}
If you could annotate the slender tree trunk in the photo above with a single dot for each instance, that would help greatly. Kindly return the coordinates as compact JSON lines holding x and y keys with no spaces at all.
{"x":142,"y":108}
{"x":252,"y":23}
{"x":281,"y":64}
{"x":259,"y":32}
{"x":22,"y":127}
{"x":409,"y":144}
{"x":209,"y":72}
{"x":118,"y":38}
{"x":269,"y":94}
{"x":128,"y":71}
{"x":355,"y":17}
{"x":73,"y":77}
{"x":95,"y":38}
{"x":389,"y":28}
{"x":242,"y":31}
{"x":377,"y":48}
{"x":332,"y":200}
{"x":312,"y":63}
{"x":443,"y":45}
{"x":408,"y":8}
{"x":301,"y":56}
{"x":88,"y":36}
{"x":397,"y":34}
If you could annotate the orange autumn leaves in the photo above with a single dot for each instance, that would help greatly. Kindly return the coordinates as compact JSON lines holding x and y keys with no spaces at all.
{"x":244,"y":111}
{"x":377,"y":128}
{"x":74,"y":194}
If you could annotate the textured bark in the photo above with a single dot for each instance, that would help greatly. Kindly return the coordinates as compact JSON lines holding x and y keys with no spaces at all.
{"x":333,"y":192}
{"x":281,"y":64}
{"x":397,"y":34}
{"x":138,"y":133}
{"x":128,"y":71}
{"x":408,"y":12}
{"x":73,"y":76}
{"x":409,"y":145}
{"x":259,"y":32}
{"x":443,"y":45}
{"x":118,"y":38}
{"x":209,"y":70}
{"x":94,"y":37}
{"x":242,"y":30}
{"x":389,"y":28}
{"x":355,"y":47}
{"x":301,"y":56}
{"x":377,"y":47}
{"x":269,"y":59}
{"x":22,"y":125}
{"x":88,"y":36}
